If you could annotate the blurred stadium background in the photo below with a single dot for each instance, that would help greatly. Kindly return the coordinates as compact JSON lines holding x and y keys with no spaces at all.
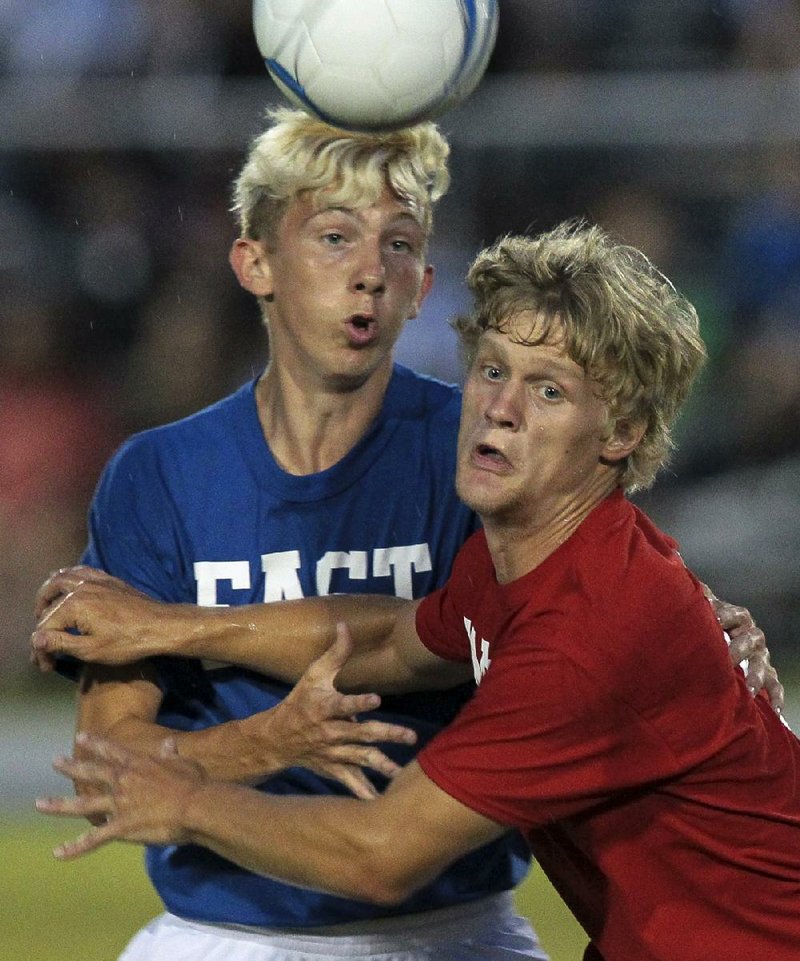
{"x":674,"y":123}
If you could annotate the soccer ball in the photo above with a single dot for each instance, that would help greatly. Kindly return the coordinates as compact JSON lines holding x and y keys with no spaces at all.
{"x":375,"y":64}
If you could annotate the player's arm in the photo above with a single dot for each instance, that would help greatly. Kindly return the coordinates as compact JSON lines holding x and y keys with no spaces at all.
{"x":116,"y":624}
{"x":123,"y":703}
{"x":313,"y":727}
{"x":381,"y":851}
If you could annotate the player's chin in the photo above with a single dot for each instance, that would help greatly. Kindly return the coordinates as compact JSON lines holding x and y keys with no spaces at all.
{"x":482,"y":492}
{"x":348,"y":382}
{"x":358,"y":366}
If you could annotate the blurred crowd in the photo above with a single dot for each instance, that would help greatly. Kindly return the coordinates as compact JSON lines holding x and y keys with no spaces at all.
{"x":119,"y":310}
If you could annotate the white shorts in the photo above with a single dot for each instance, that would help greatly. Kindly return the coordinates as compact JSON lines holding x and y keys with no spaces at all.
{"x":485,"y":930}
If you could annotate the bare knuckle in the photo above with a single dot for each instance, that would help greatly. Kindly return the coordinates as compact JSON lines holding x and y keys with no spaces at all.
{"x":329,"y":733}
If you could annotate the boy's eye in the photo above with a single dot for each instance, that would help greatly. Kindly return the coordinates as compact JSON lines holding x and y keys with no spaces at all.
{"x":490,"y":372}
{"x":332,"y":237}
{"x":550,"y":392}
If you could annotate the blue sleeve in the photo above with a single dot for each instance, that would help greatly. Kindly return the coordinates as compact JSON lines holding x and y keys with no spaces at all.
{"x":135,"y":535}
{"x":133,"y":532}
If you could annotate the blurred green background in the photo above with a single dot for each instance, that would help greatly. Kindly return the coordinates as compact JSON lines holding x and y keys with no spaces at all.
{"x":86,"y":910}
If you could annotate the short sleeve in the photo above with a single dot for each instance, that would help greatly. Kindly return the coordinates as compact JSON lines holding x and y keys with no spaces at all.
{"x":438,"y":626}
{"x":541,"y":741}
{"x":133,"y":532}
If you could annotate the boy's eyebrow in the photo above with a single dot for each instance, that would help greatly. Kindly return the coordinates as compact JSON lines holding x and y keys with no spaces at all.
{"x":399,"y":216}
{"x":564,"y":365}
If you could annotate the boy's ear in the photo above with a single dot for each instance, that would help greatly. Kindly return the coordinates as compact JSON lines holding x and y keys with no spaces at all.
{"x":625,"y":438}
{"x":250,"y":263}
{"x":424,"y":290}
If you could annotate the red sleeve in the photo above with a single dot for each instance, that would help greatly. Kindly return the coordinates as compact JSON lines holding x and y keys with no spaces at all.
{"x":439,"y":624}
{"x":438,"y":627}
{"x":541,"y":740}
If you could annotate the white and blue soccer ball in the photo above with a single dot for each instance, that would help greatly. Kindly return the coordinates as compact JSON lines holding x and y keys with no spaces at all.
{"x":375,"y":64}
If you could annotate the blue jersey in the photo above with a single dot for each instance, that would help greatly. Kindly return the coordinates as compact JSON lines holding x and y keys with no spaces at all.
{"x":199,"y":511}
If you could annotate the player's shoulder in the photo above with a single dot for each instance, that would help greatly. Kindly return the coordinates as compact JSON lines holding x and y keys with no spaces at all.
{"x":190,"y":436}
{"x":628,"y":539}
{"x":415,"y":395}
{"x":642,"y":588}
{"x":638,"y":559}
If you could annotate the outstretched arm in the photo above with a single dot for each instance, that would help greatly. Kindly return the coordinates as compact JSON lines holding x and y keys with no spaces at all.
{"x":315,"y":727}
{"x":117,"y":624}
{"x":381,"y":851}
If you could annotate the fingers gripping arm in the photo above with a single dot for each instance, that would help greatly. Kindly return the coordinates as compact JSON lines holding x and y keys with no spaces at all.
{"x":117,"y":624}
{"x":123,"y":703}
{"x":381,"y":851}
{"x":313,"y":727}
{"x":748,"y":647}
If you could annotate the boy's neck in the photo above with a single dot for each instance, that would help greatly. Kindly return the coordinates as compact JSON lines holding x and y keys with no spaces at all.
{"x":309,"y":431}
{"x":520,"y":545}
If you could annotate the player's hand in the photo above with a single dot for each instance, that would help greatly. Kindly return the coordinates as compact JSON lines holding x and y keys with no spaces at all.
{"x":748,"y":644}
{"x":132,"y":797}
{"x":316,"y":727}
{"x":116,"y":624}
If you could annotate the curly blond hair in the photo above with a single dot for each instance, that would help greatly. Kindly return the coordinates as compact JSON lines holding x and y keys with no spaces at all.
{"x":622,"y":321}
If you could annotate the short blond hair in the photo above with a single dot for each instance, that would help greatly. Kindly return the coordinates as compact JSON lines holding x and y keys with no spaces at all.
{"x":299,"y":153}
{"x":622,"y":320}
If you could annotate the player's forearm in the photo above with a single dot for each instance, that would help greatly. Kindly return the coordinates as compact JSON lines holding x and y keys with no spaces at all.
{"x":101,"y":620}
{"x":123,"y":703}
{"x":338,"y":845}
{"x":282,"y":639}
{"x":380,"y":850}
{"x":225,"y":752}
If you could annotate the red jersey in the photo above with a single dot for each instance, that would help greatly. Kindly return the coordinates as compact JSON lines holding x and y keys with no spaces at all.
{"x":609,"y":725}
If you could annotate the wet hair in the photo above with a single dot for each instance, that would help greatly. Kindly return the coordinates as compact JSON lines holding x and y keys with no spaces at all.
{"x":621,"y":320}
{"x":298,"y":153}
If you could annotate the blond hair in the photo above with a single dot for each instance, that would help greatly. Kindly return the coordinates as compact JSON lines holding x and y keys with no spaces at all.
{"x":622,"y":321}
{"x":299,"y":153}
